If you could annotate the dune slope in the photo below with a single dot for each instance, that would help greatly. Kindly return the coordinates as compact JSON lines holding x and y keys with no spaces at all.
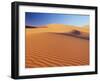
{"x":46,"y":48}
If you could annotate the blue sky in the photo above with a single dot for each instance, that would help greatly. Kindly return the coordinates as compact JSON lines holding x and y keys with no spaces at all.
{"x":41,"y":19}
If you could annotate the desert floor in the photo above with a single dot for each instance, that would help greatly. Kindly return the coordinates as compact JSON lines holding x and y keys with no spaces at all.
{"x":49,"y":49}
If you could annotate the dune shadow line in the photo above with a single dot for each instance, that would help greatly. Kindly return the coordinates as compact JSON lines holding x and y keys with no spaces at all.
{"x":68,"y":34}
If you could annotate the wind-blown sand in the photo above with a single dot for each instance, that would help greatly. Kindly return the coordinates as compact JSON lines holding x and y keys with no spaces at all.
{"x":56,"y":45}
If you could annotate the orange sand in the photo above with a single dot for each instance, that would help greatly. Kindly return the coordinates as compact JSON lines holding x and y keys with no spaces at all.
{"x":46,"y":48}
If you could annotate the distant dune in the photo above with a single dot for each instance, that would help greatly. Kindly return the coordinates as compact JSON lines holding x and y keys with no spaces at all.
{"x":56,"y":45}
{"x":31,"y":27}
{"x":60,"y":28}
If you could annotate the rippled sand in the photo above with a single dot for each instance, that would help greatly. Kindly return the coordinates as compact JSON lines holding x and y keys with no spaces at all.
{"x":47,"y":49}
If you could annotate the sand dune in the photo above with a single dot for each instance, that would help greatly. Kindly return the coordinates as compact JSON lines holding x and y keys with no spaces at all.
{"x":54,"y":45}
{"x":58,"y":28}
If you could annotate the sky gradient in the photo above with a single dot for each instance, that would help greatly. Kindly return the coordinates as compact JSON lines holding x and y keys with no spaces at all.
{"x":42,"y":19}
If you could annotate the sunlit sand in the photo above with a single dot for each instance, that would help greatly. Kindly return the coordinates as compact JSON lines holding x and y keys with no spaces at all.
{"x":57,"y":45}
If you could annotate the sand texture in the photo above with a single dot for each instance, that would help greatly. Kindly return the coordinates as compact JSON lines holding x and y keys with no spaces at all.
{"x":56,"y":45}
